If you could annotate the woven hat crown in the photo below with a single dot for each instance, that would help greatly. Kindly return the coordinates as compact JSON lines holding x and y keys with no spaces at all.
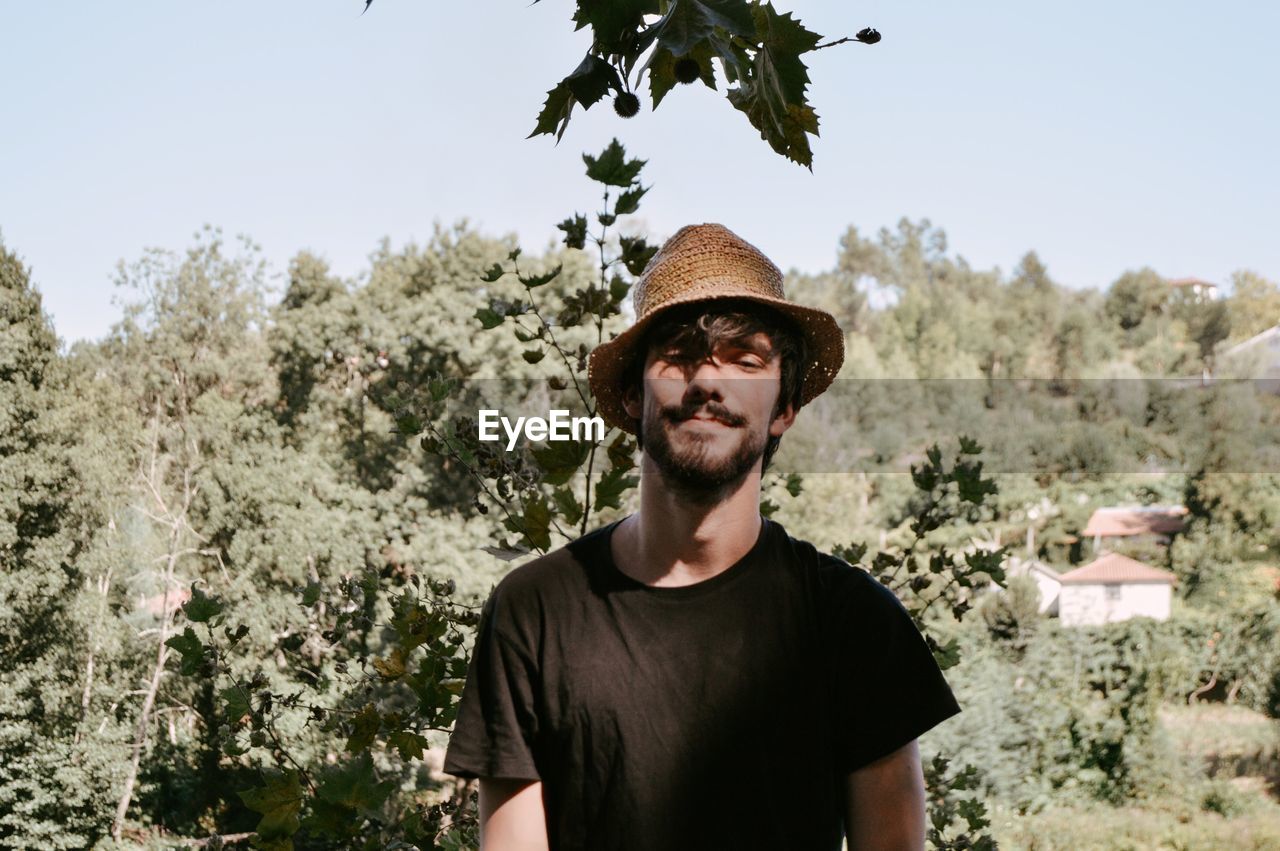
{"x":701,"y":260}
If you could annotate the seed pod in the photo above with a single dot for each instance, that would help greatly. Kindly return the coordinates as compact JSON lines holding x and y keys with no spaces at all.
{"x":626,"y":104}
{"x":688,"y":70}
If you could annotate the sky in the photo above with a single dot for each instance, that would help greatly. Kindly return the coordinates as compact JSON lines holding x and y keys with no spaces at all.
{"x":1103,"y":136}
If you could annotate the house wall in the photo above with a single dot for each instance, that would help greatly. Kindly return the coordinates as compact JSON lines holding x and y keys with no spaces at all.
{"x":1049,"y":590}
{"x":1088,"y":605}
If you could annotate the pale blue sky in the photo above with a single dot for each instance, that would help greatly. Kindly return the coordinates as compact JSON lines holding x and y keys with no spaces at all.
{"x":1105,"y":136}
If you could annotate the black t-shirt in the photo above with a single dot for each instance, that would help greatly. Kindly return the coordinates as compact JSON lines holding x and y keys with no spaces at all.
{"x":723,"y":714}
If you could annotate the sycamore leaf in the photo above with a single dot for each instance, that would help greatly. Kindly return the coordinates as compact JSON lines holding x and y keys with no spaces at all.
{"x":592,"y":79}
{"x":612,"y":167}
{"x":613,"y":22}
{"x":410,"y":744}
{"x":560,"y":459}
{"x":488,"y":318}
{"x":629,"y":201}
{"x":391,"y":667}
{"x":621,"y":452}
{"x":636,"y":253}
{"x":191,"y":649}
{"x":201,"y":607}
{"x":353,"y":785}
{"x":575,"y":231}
{"x":772,"y":93}
{"x":532,"y":281}
{"x":494,"y":273}
{"x":611,"y":487}
{"x":567,"y":504}
{"x":691,"y":22}
{"x":234,"y":703}
{"x":364,"y":726}
{"x":537,"y":523}
{"x":554,"y":117}
{"x":415,"y":624}
{"x":279,"y":800}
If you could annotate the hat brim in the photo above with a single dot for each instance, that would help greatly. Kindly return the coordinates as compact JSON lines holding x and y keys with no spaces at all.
{"x":608,"y":361}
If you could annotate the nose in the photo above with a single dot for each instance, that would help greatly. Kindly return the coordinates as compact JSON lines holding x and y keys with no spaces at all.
{"x":704,"y":380}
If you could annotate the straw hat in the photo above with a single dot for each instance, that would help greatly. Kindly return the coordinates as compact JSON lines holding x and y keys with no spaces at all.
{"x":703,"y":263}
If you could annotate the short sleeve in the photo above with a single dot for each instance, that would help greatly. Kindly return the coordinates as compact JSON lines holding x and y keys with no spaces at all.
{"x":497,"y":722}
{"x":888,"y":688}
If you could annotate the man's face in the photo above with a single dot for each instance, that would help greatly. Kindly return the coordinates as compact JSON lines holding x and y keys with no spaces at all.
{"x":706,"y":423}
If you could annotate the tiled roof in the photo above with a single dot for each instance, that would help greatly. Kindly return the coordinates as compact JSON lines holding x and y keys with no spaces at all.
{"x":1135,"y":520}
{"x":1113,"y":569}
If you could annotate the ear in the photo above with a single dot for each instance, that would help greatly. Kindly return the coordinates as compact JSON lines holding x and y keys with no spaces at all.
{"x":783,"y":421}
{"x":633,"y":401}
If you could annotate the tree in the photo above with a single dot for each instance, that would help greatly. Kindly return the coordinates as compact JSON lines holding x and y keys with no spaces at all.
{"x":55,"y":771}
{"x":1135,"y":297}
{"x":1254,"y":304}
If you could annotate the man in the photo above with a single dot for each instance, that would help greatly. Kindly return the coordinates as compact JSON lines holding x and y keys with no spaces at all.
{"x":691,"y":676}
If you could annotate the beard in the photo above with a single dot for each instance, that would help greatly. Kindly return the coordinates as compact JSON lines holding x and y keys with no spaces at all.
{"x":702,"y":465}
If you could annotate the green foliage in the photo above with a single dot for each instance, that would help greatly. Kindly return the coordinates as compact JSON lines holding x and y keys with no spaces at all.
{"x":759,"y":51}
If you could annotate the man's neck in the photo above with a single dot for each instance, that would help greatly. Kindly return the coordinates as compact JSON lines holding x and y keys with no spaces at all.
{"x":674,"y":540}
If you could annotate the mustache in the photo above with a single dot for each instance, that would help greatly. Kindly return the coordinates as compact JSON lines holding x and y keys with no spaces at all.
{"x":680,"y":413}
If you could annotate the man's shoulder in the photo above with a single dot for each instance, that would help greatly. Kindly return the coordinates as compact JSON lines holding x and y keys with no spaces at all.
{"x":564,"y":570}
{"x":839,"y":582}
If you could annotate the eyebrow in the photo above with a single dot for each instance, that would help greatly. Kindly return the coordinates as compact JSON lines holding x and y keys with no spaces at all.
{"x":763,"y":349}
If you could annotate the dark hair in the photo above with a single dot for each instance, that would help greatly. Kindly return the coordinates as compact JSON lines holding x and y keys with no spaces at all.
{"x":701,"y":326}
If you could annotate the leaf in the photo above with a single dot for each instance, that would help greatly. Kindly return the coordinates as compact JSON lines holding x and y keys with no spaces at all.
{"x":191,"y":649}
{"x":201,"y":607}
{"x":494,"y":273}
{"x":311,"y":594}
{"x":592,"y":80}
{"x":612,"y":167}
{"x":533,"y":355}
{"x":575,"y":231}
{"x":353,"y":784}
{"x":629,"y":201}
{"x":279,"y":800}
{"x":613,"y":22}
{"x":488,"y":318}
{"x":560,"y":459}
{"x":621,"y":452}
{"x":567,"y":504}
{"x":611,"y":487}
{"x":391,"y":667}
{"x":235,"y":704}
{"x":364,"y":727}
{"x":691,"y":22}
{"x":554,"y":117}
{"x":532,"y":281}
{"x":636,"y":253}
{"x":506,"y":553}
{"x":772,"y":95}
{"x":537,"y":523}
{"x":415,"y":624}
{"x":410,"y":744}
{"x":794,"y":484}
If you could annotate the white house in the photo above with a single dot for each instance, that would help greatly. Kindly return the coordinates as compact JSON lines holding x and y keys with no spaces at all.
{"x":1114,"y":588}
{"x":1197,"y":289}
